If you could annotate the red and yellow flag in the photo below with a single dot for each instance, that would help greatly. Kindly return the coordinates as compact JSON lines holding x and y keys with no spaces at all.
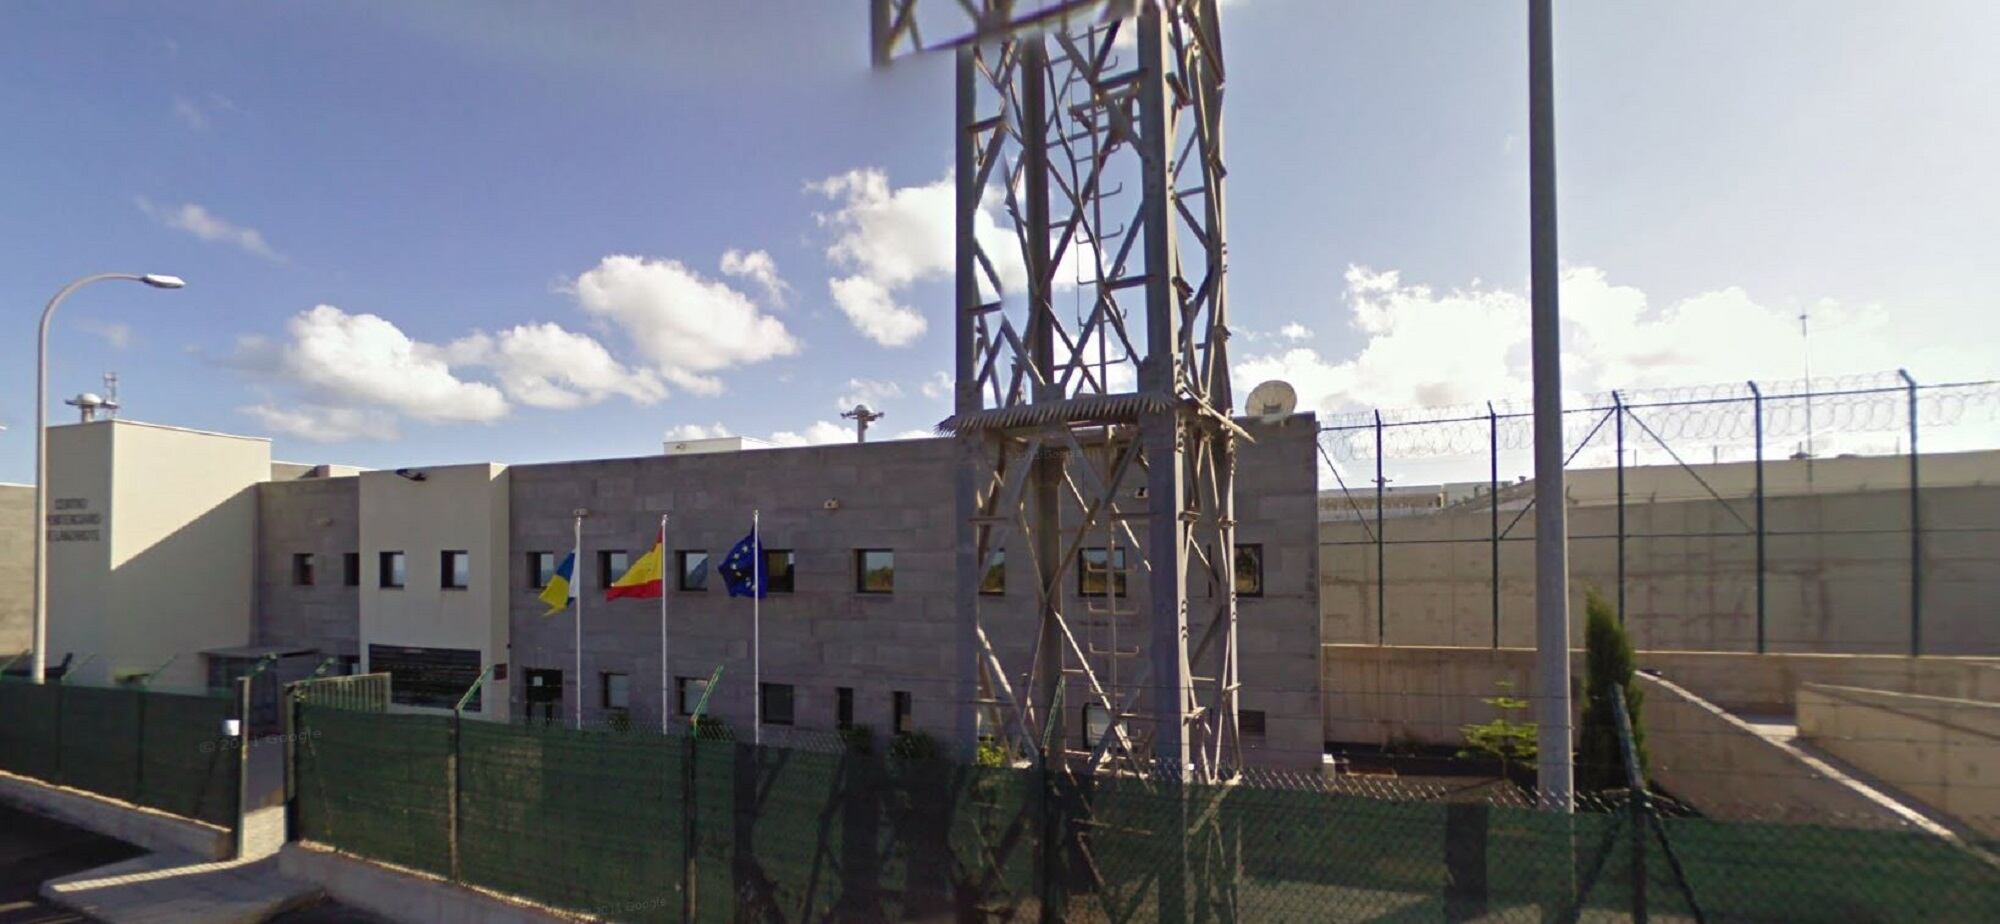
{"x":645,"y":580}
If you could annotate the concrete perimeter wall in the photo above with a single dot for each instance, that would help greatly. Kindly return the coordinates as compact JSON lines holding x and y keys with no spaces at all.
{"x":17,"y":567}
{"x":1942,"y":751}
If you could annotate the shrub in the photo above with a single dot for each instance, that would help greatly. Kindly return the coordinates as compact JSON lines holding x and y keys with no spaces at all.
{"x":1608,"y":662}
{"x":915,"y":746}
{"x":1503,"y":738}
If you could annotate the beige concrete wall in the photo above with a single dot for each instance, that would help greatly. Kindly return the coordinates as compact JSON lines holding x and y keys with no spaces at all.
{"x":148,"y":531}
{"x":17,"y":567}
{"x":454,"y":507}
{"x":1837,"y":574}
{"x":1941,"y":751}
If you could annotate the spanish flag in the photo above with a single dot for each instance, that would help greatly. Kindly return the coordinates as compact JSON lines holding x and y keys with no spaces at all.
{"x":558,"y":594}
{"x":644,"y":580}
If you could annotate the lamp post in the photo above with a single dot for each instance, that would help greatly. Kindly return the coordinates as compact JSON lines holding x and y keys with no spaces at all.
{"x":38,"y":663}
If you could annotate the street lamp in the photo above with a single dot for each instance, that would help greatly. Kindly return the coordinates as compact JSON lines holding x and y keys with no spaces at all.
{"x":38,"y":663}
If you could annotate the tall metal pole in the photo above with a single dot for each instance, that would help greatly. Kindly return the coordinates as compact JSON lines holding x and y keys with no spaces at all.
{"x":1493,"y":508}
{"x":1916,"y":527}
{"x":756,"y":628}
{"x":966,"y":400}
{"x":666,"y":710}
{"x":1381,"y":546}
{"x":576,"y":581}
{"x":1618,"y":429}
{"x":38,"y":661}
{"x":1757,"y":432}
{"x":1552,"y":711}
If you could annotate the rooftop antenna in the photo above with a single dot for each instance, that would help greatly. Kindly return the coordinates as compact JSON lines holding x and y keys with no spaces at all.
{"x":88,"y":404}
{"x":111,"y":395}
{"x":862,"y":417}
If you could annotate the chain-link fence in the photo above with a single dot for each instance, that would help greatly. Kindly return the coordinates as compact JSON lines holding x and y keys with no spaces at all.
{"x":636,"y":825}
{"x":167,"y":751}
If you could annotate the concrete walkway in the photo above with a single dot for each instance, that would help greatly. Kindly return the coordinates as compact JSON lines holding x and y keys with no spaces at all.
{"x":162,"y":887}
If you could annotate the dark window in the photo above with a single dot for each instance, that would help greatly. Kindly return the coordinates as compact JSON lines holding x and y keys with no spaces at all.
{"x":694,"y":570}
{"x":874,"y":571}
{"x":541,"y":569}
{"x":1250,"y":722}
{"x":611,"y":565}
{"x":617,"y":691}
{"x":843,"y":707}
{"x":302,"y":569}
{"x":776,"y":699}
{"x":1249,"y":570}
{"x":434,"y":677}
{"x":901,"y":721}
{"x":390,"y":566}
{"x":1090,"y":572}
{"x":994,"y":579}
{"x":688,"y":691}
{"x":350,"y":569}
{"x":454,"y":569}
{"x":778,"y":571}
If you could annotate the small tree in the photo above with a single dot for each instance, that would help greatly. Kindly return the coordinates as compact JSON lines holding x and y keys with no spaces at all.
{"x":1607,"y":663}
{"x":1502,"y":738}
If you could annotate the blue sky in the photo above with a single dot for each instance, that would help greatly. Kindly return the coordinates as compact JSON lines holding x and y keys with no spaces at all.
{"x":507,"y":207}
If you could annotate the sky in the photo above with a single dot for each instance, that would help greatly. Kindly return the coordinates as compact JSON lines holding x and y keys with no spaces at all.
{"x":525,"y":231}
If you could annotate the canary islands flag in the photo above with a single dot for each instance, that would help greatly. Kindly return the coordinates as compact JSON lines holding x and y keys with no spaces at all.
{"x":560,"y":591}
{"x":643,"y":580}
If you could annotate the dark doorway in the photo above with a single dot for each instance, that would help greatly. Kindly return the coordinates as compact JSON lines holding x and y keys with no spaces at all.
{"x":545,"y":694}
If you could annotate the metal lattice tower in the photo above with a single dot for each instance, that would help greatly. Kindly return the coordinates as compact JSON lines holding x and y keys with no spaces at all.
{"x":1093,"y":395}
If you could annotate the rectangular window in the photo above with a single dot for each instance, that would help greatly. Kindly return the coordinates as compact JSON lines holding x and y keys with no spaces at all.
{"x":454,"y":569}
{"x":1249,"y":570}
{"x":994,"y":580}
{"x":302,"y":569}
{"x":843,"y":708}
{"x":616,"y":691}
{"x":688,"y":691}
{"x":350,"y":569}
{"x":1250,"y":722}
{"x":874,"y":571}
{"x":434,"y":677}
{"x":694,"y":570}
{"x":390,"y":569}
{"x":1091,"y":572}
{"x":778,"y":571}
{"x":777,"y":702}
{"x":611,"y":565}
{"x":902,"y":719}
{"x":541,"y":569}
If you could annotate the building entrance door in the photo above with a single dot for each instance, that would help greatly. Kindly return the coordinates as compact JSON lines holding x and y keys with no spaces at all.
{"x":545,"y":691}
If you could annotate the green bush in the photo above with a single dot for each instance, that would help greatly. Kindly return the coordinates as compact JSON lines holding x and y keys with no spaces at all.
{"x":1503,"y":738}
{"x":992,"y":753}
{"x":1608,"y":662}
{"x":916,"y":746}
{"x":859,"y":739}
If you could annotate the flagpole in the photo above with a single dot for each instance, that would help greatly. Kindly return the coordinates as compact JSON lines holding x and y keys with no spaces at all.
{"x":756,"y":628}
{"x":665,"y":691}
{"x":576,"y":572}
{"x":665,"y":708}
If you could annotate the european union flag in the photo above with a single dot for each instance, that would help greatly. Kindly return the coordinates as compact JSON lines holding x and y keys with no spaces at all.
{"x":742,"y":573}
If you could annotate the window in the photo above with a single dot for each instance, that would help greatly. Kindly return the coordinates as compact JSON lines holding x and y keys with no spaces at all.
{"x":901,"y":721}
{"x":1096,"y":722}
{"x":541,"y":569}
{"x":694,"y":570}
{"x":776,"y":699}
{"x":874,"y":571}
{"x":611,"y":565}
{"x":778,"y":571}
{"x":1249,"y":570}
{"x":434,"y":677}
{"x":454,"y":569}
{"x":994,"y":580}
{"x":302,"y":569}
{"x":616,"y":691}
{"x":843,"y":708}
{"x":350,"y":569}
{"x":390,"y":569}
{"x":688,"y":692}
{"x":1090,"y":572}
{"x":1250,"y":722}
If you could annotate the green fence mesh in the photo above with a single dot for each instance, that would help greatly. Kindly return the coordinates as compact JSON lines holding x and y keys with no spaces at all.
{"x":644,"y":827}
{"x":162,"y":750}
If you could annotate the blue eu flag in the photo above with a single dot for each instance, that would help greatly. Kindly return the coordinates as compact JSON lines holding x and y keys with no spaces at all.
{"x":737,"y":569}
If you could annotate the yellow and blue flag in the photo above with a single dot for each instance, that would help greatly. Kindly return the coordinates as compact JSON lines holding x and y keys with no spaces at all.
{"x":560,"y":591}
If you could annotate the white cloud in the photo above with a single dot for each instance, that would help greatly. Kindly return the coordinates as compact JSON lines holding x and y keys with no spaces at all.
{"x":867,"y":391}
{"x":820,"y":433}
{"x":210,"y":227}
{"x":875,"y":313}
{"x":698,"y":432}
{"x":758,"y":267}
{"x":362,"y":361}
{"x":190,"y":114}
{"x":115,"y":334}
{"x":939,"y":385}
{"x":687,"y":325}
{"x":914,"y":435}
{"x":543,"y":365}
{"x":321,"y":424}
{"x":1295,"y":331}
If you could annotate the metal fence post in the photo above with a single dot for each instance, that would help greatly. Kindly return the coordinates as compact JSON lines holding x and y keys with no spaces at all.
{"x":1639,"y":802}
{"x":1618,"y":431}
{"x":1916,"y":527}
{"x":1493,"y":508}
{"x":1381,"y":547}
{"x":1757,"y":433}
{"x":242,"y":763}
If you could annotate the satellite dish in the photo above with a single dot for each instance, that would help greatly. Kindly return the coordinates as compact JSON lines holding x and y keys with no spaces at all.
{"x":1272,"y":401}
